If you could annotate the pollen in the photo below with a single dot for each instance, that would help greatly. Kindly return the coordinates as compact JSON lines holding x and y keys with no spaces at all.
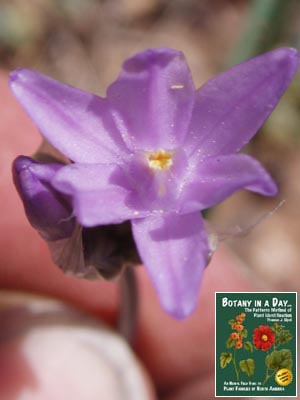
{"x":159,"y":159}
{"x":264,"y":338}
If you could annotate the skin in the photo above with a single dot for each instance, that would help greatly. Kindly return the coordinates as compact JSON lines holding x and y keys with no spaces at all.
{"x":178,"y":355}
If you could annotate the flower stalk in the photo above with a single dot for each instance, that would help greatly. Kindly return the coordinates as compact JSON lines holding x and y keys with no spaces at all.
{"x":128,"y":305}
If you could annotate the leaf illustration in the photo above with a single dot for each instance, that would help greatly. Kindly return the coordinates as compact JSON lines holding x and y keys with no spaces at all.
{"x":279,"y":359}
{"x":244,"y":333}
{"x":276,"y":327}
{"x":230,"y":343}
{"x":225,"y":359}
{"x":248,"y":346}
{"x":247,"y":366}
{"x":284,"y":336}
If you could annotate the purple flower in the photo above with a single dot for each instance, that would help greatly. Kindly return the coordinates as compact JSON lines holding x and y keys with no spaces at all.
{"x":47,"y":209}
{"x":157,"y":151}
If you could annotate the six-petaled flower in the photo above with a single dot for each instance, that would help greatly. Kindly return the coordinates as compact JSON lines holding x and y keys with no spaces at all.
{"x":156,"y":151}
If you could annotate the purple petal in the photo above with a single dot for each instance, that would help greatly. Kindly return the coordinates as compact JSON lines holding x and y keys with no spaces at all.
{"x":96,"y":199}
{"x":174,"y":249}
{"x":47,"y":210}
{"x":153,"y":99}
{"x":75,"y":122}
{"x":230,"y":108}
{"x":217,"y":178}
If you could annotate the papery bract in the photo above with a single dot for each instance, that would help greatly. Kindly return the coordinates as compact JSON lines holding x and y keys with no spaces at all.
{"x":157,"y":151}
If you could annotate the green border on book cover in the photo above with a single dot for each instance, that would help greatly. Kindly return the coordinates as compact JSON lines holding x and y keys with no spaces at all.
{"x":256,"y":344}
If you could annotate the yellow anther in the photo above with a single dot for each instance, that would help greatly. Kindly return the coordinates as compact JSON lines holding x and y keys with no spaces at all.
{"x":264,"y":338}
{"x":159,"y":159}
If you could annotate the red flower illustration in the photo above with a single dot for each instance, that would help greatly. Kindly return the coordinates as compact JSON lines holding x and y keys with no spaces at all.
{"x":263,"y":337}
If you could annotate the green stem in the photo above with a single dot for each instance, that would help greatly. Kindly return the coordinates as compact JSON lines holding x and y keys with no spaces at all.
{"x":268,"y":376}
{"x":235,"y":366}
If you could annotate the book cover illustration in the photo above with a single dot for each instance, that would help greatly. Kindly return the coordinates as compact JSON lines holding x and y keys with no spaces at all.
{"x":256,"y":344}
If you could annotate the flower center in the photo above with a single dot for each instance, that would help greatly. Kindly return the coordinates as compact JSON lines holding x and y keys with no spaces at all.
{"x":160,"y":159}
{"x":264,"y":338}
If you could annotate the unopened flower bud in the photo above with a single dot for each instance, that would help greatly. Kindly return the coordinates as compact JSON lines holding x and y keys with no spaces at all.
{"x":47,"y":210}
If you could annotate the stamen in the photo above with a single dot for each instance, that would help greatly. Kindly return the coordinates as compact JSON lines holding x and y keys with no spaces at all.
{"x":159,"y":159}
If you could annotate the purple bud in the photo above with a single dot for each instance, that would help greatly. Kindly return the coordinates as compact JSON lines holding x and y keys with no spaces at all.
{"x":47,"y":210}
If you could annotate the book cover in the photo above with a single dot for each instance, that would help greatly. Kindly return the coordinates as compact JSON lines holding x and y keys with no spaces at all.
{"x":256,"y":340}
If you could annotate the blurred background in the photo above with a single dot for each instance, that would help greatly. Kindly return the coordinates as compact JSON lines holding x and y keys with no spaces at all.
{"x":84,"y":42}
